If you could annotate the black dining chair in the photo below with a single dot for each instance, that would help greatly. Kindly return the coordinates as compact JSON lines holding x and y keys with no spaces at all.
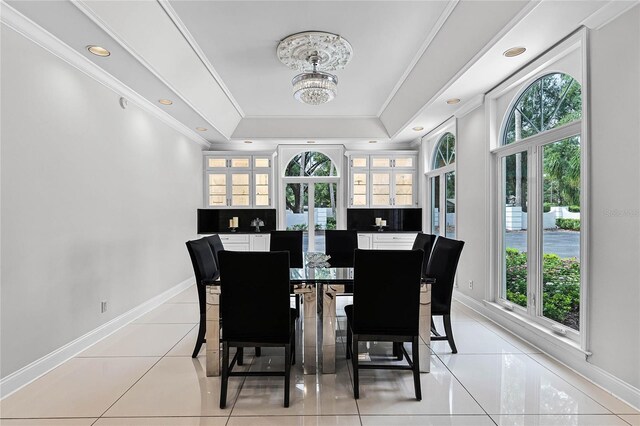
{"x":254,"y":310}
{"x":442,"y":267}
{"x":340,"y":245}
{"x":386,"y":308}
{"x":206,"y":272}
{"x":290,"y":241}
{"x":424,"y":242}
{"x":216,"y":245}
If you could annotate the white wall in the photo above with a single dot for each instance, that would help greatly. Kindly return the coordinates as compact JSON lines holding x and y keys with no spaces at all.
{"x":472,"y":208}
{"x":615,"y":178}
{"x":614,"y":320}
{"x":97,"y":203}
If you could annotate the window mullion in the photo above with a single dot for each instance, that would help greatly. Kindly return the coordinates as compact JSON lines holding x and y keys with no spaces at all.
{"x":532,"y":232}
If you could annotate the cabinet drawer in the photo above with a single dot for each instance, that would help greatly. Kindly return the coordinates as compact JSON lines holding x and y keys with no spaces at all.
{"x":393,"y":238}
{"x":234,"y":239}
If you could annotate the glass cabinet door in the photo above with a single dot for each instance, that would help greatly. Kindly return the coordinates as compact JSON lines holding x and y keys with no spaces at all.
{"x":381,"y":162}
{"x":380,"y":188}
{"x":359,"y":162}
{"x":217,"y":189}
{"x":240,"y":163}
{"x":403,"y":189}
{"x":261,"y":190}
{"x":217,"y":162}
{"x":240,"y":190}
{"x":404,"y":162}
{"x":359,"y":188}
{"x":261,"y":162}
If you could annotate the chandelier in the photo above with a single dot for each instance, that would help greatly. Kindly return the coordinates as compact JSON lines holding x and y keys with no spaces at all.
{"x":314,"y":53}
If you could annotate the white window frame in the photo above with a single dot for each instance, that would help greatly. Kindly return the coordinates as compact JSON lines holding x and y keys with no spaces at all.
{"x":430,"y":145}
{"x":335,"y":153}
{"x":496,"y":122}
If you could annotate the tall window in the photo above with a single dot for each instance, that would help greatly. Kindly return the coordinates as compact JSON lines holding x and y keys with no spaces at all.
{"x":442,"y":187}
{"x":311,"y":192}
{"x":540,"y":180}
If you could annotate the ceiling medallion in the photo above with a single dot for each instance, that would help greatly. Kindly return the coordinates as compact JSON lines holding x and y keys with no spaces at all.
{"x":314,"y":53}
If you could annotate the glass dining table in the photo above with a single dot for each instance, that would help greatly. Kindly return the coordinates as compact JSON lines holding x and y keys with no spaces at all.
{"x":319,"y":286}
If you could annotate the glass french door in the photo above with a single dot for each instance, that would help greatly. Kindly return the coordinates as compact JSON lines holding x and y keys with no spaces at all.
{"x":442,"y":189}
{"x":311,"y":207}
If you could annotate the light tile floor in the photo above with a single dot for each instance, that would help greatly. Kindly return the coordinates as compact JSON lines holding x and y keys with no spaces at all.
{"x":143,"y":375}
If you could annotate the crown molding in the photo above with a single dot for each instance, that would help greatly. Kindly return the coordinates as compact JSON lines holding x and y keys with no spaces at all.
{"x":608,"y":13}
{"x":528,"y":8}
{"x":38,"y":35}
{"x":173,"y":15}
{"x":473,"y":103}
{"x":93,"y":16}
{"x":432,"y":35}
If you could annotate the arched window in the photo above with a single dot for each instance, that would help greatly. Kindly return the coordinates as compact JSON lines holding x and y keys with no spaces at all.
{"x":550,"y":101}
{"x":539,"y":167}
{"x":310,"y":163}
{"x":445,"y":151}
{"x":442,"y":187}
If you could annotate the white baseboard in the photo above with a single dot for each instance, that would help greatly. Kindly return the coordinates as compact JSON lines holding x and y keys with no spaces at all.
{"x":38,"y":368}
{"x":596,"y":375}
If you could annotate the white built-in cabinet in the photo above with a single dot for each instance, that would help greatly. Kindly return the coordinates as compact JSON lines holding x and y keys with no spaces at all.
{"x":245,"y":242}
{"x":383,"y":180}
{"x":387,"y":241}
{"x":238,"y":180}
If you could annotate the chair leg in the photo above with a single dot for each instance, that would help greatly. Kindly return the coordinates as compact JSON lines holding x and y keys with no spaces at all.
{"x":240,"y":356}
{"x":349,"y":339}
{"x":447,"y":328}
{"x":258,"y":351}
{"x":293,"y":345}
{"x":287,"y":373}
{"x":416,"y":367}
{"x":225,"y":375}
{"x":397,"y":351}
{"x":354,"y":361}
{"x":201,"y":335}
{"x":433,"y":328}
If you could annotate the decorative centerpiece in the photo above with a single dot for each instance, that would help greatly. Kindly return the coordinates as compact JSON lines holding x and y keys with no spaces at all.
{"x":257,"y":223}
{"x":318,"y":260}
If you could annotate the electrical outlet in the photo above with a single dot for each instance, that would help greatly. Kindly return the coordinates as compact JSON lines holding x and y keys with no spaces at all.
{"x":470,"y":284}
{"x":103,"y":306}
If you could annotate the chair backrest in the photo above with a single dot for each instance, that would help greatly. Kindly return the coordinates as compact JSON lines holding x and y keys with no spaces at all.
{"x":216,"y":245}
{"x":442,"y":266}
{"x":424,"y":242}
{"x":290,"y":241}
{"x":204,"y":264}
{"x":254,"y":299}
{"x":205,"y":267}
{"x":386,"y":299}
{"x":340,"y":245}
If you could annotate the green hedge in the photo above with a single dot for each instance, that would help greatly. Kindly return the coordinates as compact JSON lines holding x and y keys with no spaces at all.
{"x":570,"y":224}
{"x":546,"y":207}
{"x":561,"y":290}
{"x":574,"y":209}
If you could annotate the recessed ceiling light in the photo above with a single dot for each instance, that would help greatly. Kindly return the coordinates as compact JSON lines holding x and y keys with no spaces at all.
{"x":514,"y":51}
{"x":311,"y":141}
{"x":248,"y":141}
{"x":201,"y":129}
{"x":373,"y":141}
{"x":453,"y":101}
{"x":165,"y":101}
{"x":418,"y":129}
{"x":98,"y":51}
